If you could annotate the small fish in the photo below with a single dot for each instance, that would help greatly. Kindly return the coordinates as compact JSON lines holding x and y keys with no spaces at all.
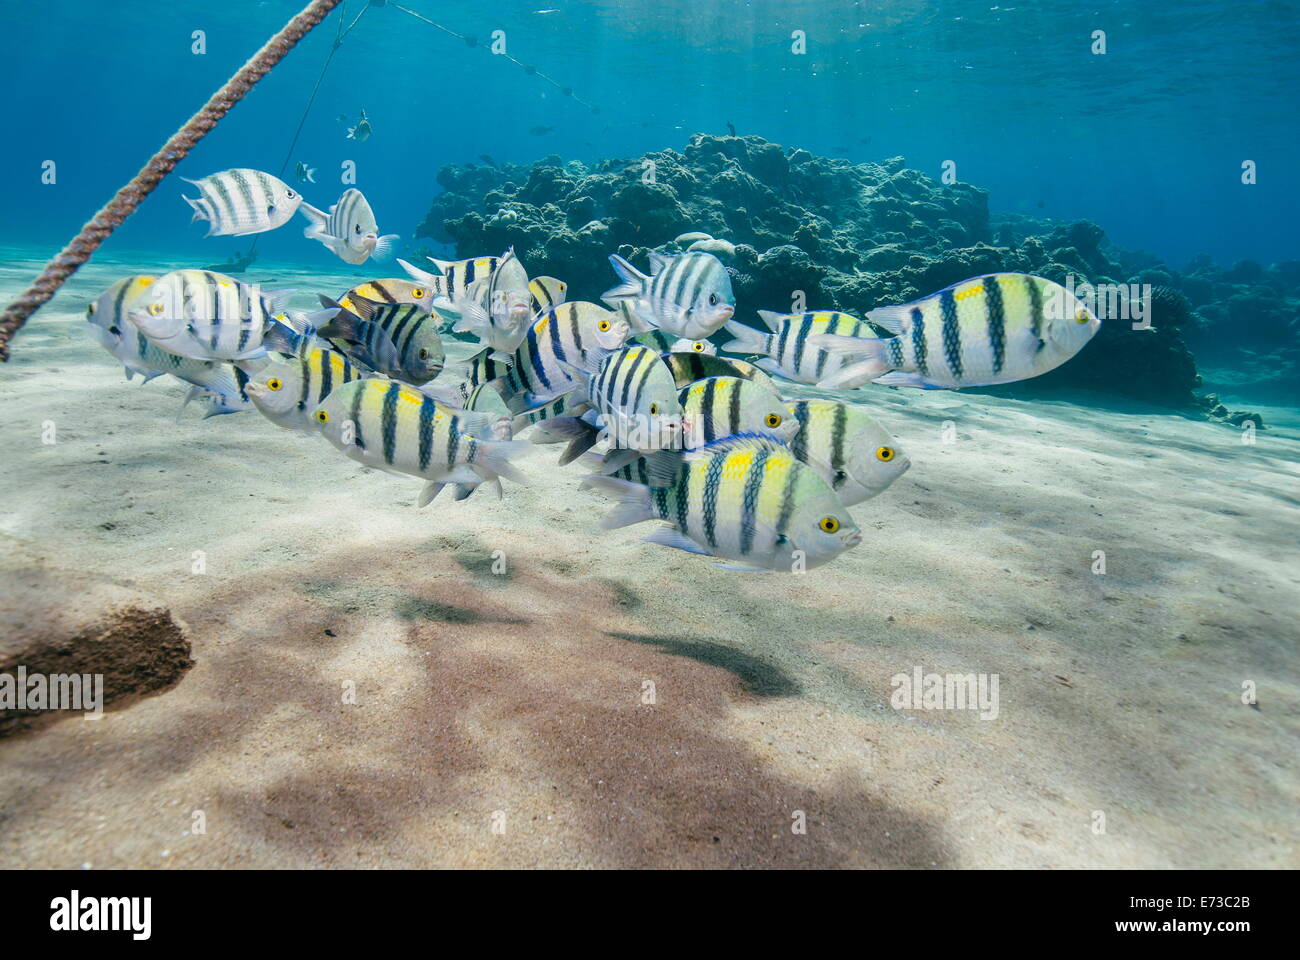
{"x":239,"y":202}
{"x":207,"y":316}
{"x":999,"y":328}
{"x":787,"y":349}
{"x":688,"y":295}
{"x":393,"y":290}
{"x":746,"y":499}
{"x":496,"y":308}
{"x":349,"y":230}
{"x":366,"y":343}
{"x":847,"y":447}
{"x":731,"y":128}
{"x":547,"y":292}
{"x":465,"y":287}
{"x":395,"y":427}
{"x":113,"y":328}
{"x":417,"y":349}
{"x":488,"y":160}
{"x":539,"y":130}
{"x":634,"y":400}
{"x":689,"y":367}
{"x":689,"y":238}
{"x":719,"y":248}
{"x":361,"y":130}
{"x":718,"y":407}
{"x":288,"y":389}
{"x":576,"y":334}
{"x":303,"y":173}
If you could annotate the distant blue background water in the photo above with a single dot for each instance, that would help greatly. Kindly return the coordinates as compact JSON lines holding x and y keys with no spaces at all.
{"x":1147,"y":140}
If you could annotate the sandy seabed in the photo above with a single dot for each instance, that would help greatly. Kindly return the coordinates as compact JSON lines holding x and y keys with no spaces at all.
{"x":500,"y":718}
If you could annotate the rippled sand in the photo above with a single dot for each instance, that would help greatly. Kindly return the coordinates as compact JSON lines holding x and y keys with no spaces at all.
{"x":517,"y":699}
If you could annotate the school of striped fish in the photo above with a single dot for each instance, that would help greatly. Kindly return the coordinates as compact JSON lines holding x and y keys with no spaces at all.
{"x":703,"y":442}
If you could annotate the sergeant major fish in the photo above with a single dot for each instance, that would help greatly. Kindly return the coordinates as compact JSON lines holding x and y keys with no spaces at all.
{"x":400,"y":338}
{"x":847,"y":447}
{"x":349,"y":230}
{"x":787,"y":349}
{"x":206,"y":316}
{"x":287,"y":390}
{"x":239,"y":202}
{"x":576,"y":334}
{"x":395,"y":427}
{"x":994,"y":329}
{"x":688,"y":295}
{"x":746,"y":499}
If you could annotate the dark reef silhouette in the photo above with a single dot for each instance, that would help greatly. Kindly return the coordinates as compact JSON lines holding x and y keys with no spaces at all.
{"x":854,"y":236}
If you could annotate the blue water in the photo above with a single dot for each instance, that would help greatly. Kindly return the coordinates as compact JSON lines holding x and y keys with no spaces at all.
{"x":1147,"y":140}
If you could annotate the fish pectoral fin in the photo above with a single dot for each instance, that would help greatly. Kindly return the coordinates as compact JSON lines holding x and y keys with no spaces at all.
{"x":743,"y":568}
{"x":672,"y":537}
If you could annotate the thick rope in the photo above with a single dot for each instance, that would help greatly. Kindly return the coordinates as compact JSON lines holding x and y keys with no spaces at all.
{"x":58,"y":270}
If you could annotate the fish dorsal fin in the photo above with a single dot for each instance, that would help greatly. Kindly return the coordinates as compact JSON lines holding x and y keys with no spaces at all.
{"x":774,"y":321}
{"x":744,"y":441}
{"x":658,"y":261}
{"x":896,"y":319}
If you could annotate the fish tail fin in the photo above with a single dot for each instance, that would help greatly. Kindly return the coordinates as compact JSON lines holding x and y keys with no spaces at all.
{"x":316,"y":221}
{"x":494,"y":457}
{"x":632,"y":280}
{"x":748,"y":339}
{"x":633,"y":500}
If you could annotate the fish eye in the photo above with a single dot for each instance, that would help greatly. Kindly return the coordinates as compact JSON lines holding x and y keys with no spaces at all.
{"x":602,"y":326}
{"x":290,"y":194}
{"x":90,"y":310}
{"x":358,"y":229}
{"x":828,"y":524}
{"x":654,"y":409}
{"x":418,"y":293}
{"x":884,"y":454}
{"x":840,"y":477}
{"x":1081,"y":316}
{"x":424,"y":354}
{"x":698,"y":346}
{"x":274,"y":384}
{"x":156,"y":309}
{"x":773,"y":420}
{"x":713,"y":299}
{"x":322,"y":416}
{"x":114,"y":330}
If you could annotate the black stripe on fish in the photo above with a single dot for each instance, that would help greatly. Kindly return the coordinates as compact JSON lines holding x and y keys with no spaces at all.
{"x":951,"y":332}
{"x":428,"y":409}
{"x":918,"y":340}
{"x":749,"y":503}
{"x":712,"y":481}
{"x":388,"y":421}
{"x":997,"y":321}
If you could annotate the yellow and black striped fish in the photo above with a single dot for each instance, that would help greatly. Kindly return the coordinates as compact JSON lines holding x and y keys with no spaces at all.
{"x":634,"y":395}
{"x":393,"y":290}
{"x":746,"y":499}
{"x":718,"y":407}
{"x":547,"y":292}
{"x":417,"y":355}
{"x":288,"y":389}
{"x":689,"y":367}
{"x":786,"y":349}
{"x":206,"y":315}
{"x":853,"y":453}
{"x":993,"y":329}
{"x":395,"y":427}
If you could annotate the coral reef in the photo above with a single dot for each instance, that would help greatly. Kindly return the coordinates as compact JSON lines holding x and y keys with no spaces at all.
{"x":824,"y":233}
